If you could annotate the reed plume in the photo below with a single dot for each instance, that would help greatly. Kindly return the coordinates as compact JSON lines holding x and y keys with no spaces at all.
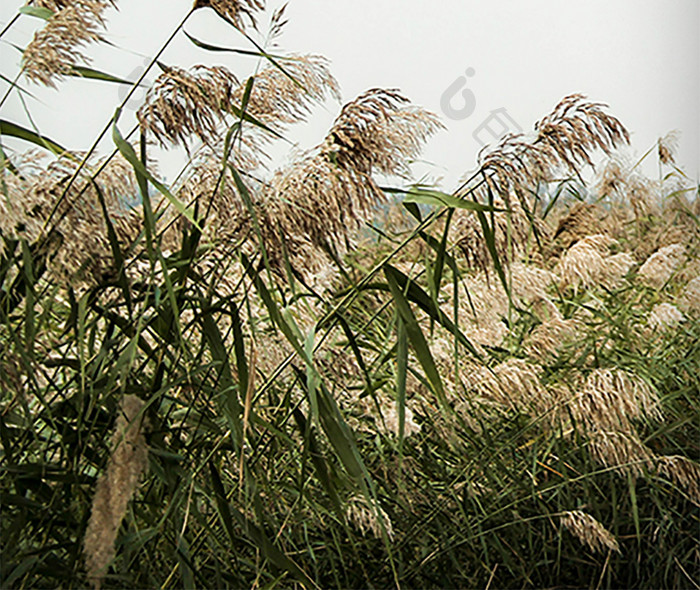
{"x":667,"y":147}
{"x":658,"y":268}
{"x":115,"y":488}
{"x":368,"y":519}
{"x":184,"y":103}
{"x":564,"y":142}
{"x":589,"y":531}
{"x":56,"y":49}
{"x":684,"y":472}
{"x":611,"y":398}
{"x":689,"y":300}
{"x":79,"y":225}
{"x":234,"y":11}
{"x":664,"y":317}
{"x":623,"y":451}
{"x":321,"y":200}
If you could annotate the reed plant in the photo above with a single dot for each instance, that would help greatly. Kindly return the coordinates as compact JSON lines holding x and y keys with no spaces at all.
{"x":317,"y":377}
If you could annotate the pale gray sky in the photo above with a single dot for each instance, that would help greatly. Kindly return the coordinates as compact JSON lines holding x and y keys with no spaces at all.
{"x":642,"y":57}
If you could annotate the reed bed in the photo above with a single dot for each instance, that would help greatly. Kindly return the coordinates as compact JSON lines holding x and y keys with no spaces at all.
{"x":302,"y":377}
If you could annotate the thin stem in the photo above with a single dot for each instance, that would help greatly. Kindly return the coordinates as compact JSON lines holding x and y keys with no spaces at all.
{"x":9,"y":25}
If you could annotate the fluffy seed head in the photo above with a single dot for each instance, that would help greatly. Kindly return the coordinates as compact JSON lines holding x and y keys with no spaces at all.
{"x":622,"y":451}
{"x":235,"y":11}
{"x":610,"y":399}
{"x":664,"y":317}
{"x":57,"y":48}
{"x":181,"y":103}
{"x":379,"y":132}
{"x":667,"y":146}
{"x":583,"y":263}
{"x":689,"y":300}
{"x":684,"y":472}
{"x":367,"y":518}
{"x":589,"y":531}
{"x":115,"y":488}
{"x":659,"y":267}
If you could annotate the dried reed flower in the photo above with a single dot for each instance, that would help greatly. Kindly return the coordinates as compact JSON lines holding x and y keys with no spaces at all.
{"x":391,"y":420}
{"x":610,"y":398}
{"x":234,"y":11}
{"x":513,"y":384}
{"x":369,"y":518}
{"x":551,"y":334}
{"x":689,"y":300}
{"x":684,"y":472}
{"x":530,"y":283}
{"x":183,"y":103}
{"x":280,"y":98}
{"x":115,"y":487}
{"x":642,"y":194}
{"x":664,"y":317}
{"x":614,"y":269}
{"x":56,"y":49}
{"x":511,"y":229}
{"x":659,"y":267}
{"x":667,"y":146}
{"x":622,"y":451}
{"x":612,"y":179}
{"x":589,"y":531}
{"x":583,"y":264}
{"x":582,"y":219}
{"x":323,"y":198}
{"x":53,"y":5}
{"x":379,"y":132}
{"x":565,"y":140}
{"x":78,"y":224}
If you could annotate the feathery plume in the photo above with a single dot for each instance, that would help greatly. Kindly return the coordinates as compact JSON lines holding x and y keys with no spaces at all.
{"x":184,"y":103}
{"x":664,"y":317}
{"x":689,"y":300}
{"x":583,"y":263}
{"x":589,"y":531}
{"x":565,"y":140}
{"x":580,"y":221}
{"x":79,"y":225}
{"x":612,"y":179}
{"x":368,"y":518}
{"x":514,"y":383}
{"x":609,"y":399}
{"x":56,"y":49}
{"x":115,"y":488}
{"x":658,"y":268}
{"x":684,"y":472}
{"x":323,"y":198}
{"x":622,"y":451}
{"x":379,"y":132}
{"x":511,"y":229}
{"x":279,"y":99}
{"x":234,"y":11}
{"x":552,"y":333}
{"x":667,"y":146}
{"x":614,"y":269}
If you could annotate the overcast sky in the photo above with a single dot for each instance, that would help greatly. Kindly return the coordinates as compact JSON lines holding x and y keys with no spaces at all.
{"x":515,"y":57}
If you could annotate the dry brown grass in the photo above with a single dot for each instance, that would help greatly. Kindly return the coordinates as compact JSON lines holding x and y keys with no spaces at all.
{"x":57,"y":48}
